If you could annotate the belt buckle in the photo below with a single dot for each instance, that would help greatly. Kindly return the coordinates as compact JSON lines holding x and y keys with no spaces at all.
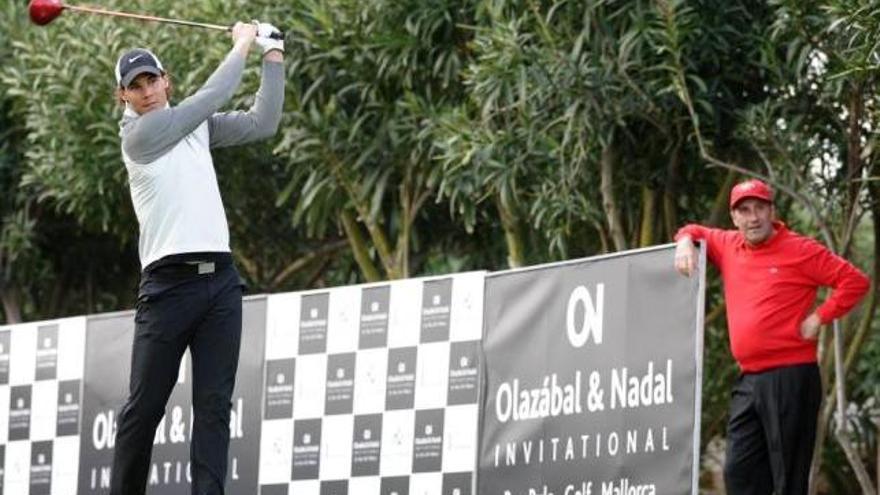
{"x":206,"y":268}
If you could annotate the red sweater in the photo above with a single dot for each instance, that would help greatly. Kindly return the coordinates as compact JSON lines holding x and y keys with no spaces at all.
{"x":770,"y":289}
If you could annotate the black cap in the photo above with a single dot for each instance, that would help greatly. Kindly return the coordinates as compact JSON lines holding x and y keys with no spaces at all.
{"x":134,"y":63}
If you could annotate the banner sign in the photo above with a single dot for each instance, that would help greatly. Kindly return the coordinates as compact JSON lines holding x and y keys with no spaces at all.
{"x":107,"y":368}
{"x":41,"y":374}
{"x":576,"y":378}
{"x":373,"y":390}
{"x":593,"y":375}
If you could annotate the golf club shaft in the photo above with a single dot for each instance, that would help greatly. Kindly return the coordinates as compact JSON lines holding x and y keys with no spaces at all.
{"x":142,"y":17}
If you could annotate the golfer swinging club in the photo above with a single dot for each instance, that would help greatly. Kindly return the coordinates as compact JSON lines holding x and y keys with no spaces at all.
{"x":190,"y":294}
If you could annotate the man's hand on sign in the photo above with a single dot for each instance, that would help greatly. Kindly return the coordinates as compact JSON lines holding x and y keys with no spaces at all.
{"x":810,"y":327}
{"x":685,"y":256}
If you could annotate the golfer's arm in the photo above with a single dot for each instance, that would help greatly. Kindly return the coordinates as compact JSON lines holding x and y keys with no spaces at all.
{"x":155,"y":133}
{"x":261,"y":120}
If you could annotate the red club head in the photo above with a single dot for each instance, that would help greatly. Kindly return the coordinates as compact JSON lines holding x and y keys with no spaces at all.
{"x":43,"y":12}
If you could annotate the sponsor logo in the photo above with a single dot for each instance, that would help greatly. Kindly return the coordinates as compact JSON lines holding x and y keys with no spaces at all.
{"x":4,"y":357}
{"x":375,"y":302}
{"x":401,"y":380}
{"x":279,"y":388}
{"x":47,"y":352}
{"x":397,"y":485}
{"x":313,"y":323}
{"x":366,"y":445}
{"x":340,"y":384}
{"x":67,"y":422}
{"x":428,"y":441}
{"x":464,"y":375}
{"x":306,"y":449}
{"x":20,"y":413}
{"x":457,"y":483}
{"x":591,"y":324}
{"x":334,"y":487}
{"x":41,"y":468}
{"x":436,"y":310}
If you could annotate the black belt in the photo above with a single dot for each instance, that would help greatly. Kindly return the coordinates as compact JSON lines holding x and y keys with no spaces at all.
{"x":188,"y":264}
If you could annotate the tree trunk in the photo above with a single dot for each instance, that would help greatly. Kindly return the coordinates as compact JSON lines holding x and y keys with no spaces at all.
{"x":670,"y":193}
{"x":721,"y":206}
{"x":11,"y":306}
{"x":512,"y":232}
{"x":825,"y":409}
{"x":854,"y":146}
{"x":603,"y":238}
{"x":837,"y":395}
{"x":380,"y":241}
{"x":646,"y":231}
{"x":830,"y":399}
{"x":401,"y":257}
{"x":304,"y":261}
{"x":359,"y":247}
{"x":612,"y":212}
{"x":90,"y":292}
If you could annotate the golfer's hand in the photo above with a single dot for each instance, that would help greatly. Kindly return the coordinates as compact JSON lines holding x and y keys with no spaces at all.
{"x":243,"y":36}
{"x":810,"y":327}
{"x":265,"y":39}
{"x":685,"y":257}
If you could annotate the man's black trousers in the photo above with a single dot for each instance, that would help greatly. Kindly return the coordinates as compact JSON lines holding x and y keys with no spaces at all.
{"x":178,"y":308}
{"x":771,"y":431}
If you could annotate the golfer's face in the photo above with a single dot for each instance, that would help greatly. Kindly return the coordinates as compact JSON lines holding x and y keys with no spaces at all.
{"x":754,"y":219}
{"x":146,"y":93}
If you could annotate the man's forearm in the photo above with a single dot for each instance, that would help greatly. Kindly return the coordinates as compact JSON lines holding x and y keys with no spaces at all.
{"x":274,"y":56}
{"x":261,"y":121}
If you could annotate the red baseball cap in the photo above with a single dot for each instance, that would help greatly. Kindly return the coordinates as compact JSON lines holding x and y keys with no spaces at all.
{"x":752,"y":188}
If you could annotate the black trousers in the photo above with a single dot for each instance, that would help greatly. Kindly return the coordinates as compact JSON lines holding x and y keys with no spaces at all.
{"x":179,"y":308}
{"x":771,"y":431}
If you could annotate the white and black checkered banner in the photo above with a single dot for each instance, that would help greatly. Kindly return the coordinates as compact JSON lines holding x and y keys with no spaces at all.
{"x":593,"y":381}
{"x":374,"y":389}
{"x":584,"y":377}
{"x":41,"y":375}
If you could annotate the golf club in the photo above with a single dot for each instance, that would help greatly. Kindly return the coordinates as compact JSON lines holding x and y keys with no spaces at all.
{"x":43,"y":12}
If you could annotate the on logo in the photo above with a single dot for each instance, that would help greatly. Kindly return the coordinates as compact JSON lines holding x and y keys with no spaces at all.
{"x":279,"y":378}
{"x":313,"y":313}
{"x":592,"y":321}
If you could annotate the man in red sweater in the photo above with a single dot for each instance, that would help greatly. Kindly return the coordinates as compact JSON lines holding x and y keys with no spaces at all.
{"x":771,"y":276}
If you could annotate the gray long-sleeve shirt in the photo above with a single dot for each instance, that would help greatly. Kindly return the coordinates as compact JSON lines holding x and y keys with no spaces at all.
{"x":171,"y":172}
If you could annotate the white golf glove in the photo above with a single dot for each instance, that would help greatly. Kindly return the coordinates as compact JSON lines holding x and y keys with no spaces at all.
{"x":264,"y":39}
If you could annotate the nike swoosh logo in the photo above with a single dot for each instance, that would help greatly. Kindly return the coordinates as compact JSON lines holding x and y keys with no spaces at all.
{"x":132,"y":59}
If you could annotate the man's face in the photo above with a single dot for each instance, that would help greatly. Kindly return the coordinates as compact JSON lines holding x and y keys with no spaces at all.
{"x":754,"y":219}
{"x":146,"y":93}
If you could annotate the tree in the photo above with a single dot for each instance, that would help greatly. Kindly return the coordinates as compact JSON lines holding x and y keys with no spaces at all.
{"x":368,"y":76}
